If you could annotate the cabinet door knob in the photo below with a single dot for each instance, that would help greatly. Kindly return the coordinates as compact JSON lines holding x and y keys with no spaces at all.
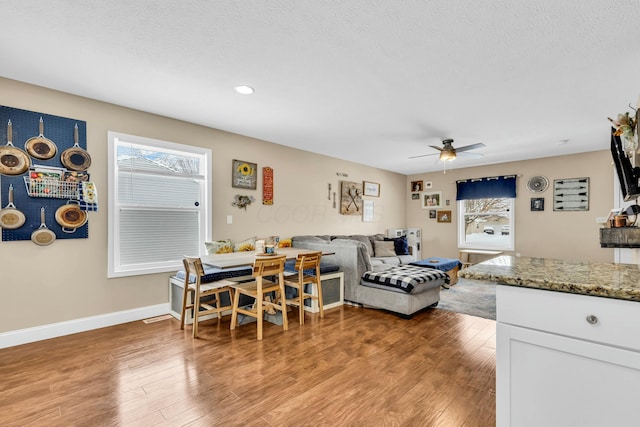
{"x":591,"y":319}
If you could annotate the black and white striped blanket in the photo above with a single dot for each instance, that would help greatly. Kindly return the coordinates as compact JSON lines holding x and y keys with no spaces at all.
{"x":404,"y":277}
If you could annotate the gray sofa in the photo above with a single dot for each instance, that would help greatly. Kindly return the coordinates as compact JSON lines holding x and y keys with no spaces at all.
{"x":355,"y":255}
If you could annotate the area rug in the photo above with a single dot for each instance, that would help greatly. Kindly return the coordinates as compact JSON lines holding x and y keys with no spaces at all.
{"x":473,"y":297}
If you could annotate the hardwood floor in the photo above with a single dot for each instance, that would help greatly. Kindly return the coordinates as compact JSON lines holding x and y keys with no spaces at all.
{"x":355,"y":367}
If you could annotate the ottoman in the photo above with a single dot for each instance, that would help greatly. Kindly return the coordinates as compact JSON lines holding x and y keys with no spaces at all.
{"x":448,"y":265}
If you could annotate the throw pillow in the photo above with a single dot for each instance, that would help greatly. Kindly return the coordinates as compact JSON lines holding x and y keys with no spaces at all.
{"x":219,"y":247}
{"x":383,"y":249}
{"x":246,"y":245}
{"x":285,"y":243}
{"x":400,"y":244}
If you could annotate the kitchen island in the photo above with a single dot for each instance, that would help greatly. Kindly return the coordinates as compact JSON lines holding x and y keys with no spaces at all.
{"x":567,"y":341}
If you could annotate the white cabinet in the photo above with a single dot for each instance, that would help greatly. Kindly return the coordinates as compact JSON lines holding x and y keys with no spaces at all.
{"x":566,"y":359}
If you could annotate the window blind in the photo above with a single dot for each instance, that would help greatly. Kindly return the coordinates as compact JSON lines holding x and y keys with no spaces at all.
{"x":159,"y":204}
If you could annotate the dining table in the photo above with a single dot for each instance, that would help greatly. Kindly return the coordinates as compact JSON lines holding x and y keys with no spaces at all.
{"x":238,"y":259}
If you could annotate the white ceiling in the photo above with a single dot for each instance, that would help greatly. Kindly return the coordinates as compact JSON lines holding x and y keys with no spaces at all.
{"x":370,"y":81}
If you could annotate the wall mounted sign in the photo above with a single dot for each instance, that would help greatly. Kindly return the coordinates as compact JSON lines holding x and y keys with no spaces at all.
{"x":371,"y":188}
{"x":244,"y":174}
{"x":350,"y":198}
{"x":367,"y":210}
{"x":571,"y":194}
{"x":267,"y":186}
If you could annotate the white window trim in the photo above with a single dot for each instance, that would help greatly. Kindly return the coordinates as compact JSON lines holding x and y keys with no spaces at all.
{"x":112,"y":137}
{"x":462,"y":244}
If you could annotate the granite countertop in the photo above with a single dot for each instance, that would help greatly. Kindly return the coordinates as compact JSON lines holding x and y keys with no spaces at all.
{"x":620,"y":281}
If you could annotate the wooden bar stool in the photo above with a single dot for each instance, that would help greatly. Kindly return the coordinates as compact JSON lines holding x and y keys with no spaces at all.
{"x":304,"y":263}
{"x":199,"y":290}
{"x":258,"y":288}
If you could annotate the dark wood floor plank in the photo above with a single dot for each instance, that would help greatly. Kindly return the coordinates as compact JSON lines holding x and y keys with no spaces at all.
{"x":355,"y":367}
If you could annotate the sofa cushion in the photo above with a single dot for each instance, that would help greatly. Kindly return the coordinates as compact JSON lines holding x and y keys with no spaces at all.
{"x":406,"y":259}
{"x":405,"y":278}
{"x":213,"y":274}
{"x":290,"y":267}
{"x":400,"y":244}
{"x":384,"y":249}
{"x":389,"y":260}
{"x":359,"y":238}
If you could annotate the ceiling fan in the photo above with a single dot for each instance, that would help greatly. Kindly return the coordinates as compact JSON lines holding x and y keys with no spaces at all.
{"x":449,"y":152}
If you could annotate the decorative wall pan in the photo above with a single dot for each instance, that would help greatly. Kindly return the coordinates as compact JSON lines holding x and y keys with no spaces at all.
{"x":42,"y":236}
{"x":40,"y":147}
{"x":10,"y":217}
{"x":13,"y":161}
{"x":70,"y":216}
{"x":75,"y":158}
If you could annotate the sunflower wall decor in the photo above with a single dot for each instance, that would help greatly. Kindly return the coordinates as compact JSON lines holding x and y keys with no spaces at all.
{"x":244,"y":174}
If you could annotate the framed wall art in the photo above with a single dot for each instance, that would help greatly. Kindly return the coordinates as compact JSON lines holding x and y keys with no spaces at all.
{"x":350,"y":198}
{"x":537,"y":203}
{"x":367,"y":210}
{"x":415,"y":196}
{"x":431,"y":199}
{"x":244,"y":174}
{"x":416,"y":186}
{"x":371,"y":188}
{"x":432,"y":213}
{"x":571,"y":194}
{"x":444,"y":216}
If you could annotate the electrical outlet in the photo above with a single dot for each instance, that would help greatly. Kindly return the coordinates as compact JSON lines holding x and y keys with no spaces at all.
{"x":229,"y":219}
{"x":601,"y":220}
{"x":517,"y":253}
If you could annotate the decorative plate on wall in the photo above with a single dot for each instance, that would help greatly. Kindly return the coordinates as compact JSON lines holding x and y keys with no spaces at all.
{"x":537,"y":184}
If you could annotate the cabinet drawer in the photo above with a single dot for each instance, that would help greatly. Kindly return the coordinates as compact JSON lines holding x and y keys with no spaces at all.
{"x":603,"y":320}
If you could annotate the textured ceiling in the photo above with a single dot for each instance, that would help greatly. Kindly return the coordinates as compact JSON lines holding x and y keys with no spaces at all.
{"x":371,"y":81}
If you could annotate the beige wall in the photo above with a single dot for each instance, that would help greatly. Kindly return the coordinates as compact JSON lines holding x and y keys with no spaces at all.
{"x":564,"y":235}
{"x":68,"y":280}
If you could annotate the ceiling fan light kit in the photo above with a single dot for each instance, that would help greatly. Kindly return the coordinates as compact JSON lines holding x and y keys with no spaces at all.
{"x":448,"y":152}
{"x":448,"y":155}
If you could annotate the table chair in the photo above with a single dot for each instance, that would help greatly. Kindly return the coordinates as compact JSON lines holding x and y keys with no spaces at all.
{"x":258,"y":290}
{"x":305,"y":263}
{"x":193,"y":268}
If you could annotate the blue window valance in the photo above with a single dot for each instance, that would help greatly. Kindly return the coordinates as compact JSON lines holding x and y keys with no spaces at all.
{"x":486,"y":188}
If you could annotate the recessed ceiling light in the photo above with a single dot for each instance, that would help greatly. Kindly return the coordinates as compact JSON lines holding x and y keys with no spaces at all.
{"x":244,"y":90}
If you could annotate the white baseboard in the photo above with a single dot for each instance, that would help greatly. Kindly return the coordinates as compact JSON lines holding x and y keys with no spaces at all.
{"x":53,"y":330}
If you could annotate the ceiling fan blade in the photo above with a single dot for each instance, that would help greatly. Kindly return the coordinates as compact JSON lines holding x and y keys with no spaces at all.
{"x":423,"y":155}
{"x":468,"y":154}
{"x":470,"y":147}
{"x":437,"y":148}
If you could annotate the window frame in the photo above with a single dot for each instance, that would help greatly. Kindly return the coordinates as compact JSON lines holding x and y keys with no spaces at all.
{"x":115,"y":269}
{"x":463,"y":244}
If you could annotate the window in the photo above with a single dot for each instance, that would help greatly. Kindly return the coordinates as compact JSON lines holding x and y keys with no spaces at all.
{"x":486,"y":213}
{"x":159,"y":204}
